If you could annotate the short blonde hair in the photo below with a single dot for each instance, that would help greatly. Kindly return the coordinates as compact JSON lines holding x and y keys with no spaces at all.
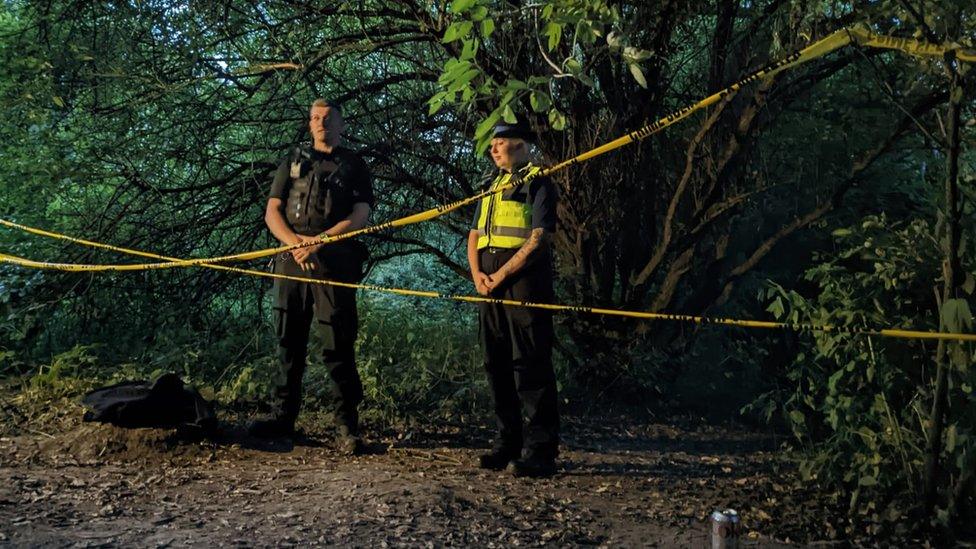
{"x":323,"y":102}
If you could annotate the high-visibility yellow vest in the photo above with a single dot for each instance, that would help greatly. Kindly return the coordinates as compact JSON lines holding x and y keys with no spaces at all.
{"x":506,"y":217}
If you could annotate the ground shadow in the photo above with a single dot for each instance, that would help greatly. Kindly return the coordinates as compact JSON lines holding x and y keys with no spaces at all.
{"x":232,"y":433}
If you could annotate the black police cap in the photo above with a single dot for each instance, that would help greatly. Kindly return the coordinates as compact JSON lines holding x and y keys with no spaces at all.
{"x":520,"y":129}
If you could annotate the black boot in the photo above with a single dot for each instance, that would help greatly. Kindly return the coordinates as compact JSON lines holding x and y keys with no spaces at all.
{"x":497,"y":459}
{"x":272,"y":427}
{"x":534,"y":467}
{"x":348,"y":441}
{"x":350,"y":445}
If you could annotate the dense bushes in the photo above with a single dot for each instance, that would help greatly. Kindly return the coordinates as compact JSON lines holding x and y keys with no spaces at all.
{"x":414,"y":360}
{"x":859,"y":405}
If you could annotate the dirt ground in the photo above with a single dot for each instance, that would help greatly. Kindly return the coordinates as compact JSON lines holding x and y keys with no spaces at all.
{"x":620,"y":485}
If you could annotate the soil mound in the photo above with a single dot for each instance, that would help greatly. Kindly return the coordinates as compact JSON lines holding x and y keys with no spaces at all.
{"x":93,"y":443}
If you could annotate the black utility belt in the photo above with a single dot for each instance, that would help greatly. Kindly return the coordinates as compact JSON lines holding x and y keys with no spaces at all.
{"x":495,"y":250}
{"x":322,"y":232}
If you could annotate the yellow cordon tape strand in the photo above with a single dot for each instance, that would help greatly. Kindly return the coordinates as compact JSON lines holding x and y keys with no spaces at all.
{"x":893,"y":333}
{"x":832,"y":42}
{"x":818,"y":49}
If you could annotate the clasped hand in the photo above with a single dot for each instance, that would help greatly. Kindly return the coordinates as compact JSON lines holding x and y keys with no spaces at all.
{"x":305,"y":257}
{"x":485,"y":284}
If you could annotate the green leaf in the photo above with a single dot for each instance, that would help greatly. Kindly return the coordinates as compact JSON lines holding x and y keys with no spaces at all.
{"x":487,"y":27}
{"x":515,"y":84}
{"x":470,"y":48}
{"x":508,"y":115}
{"x":834,"y":379}
{"x":958,"y":356}
{"x":539,"y":101}
{"x":635,"y":55}
{"x":460,"y":6}
{"x":436,"y":102}
{"x":453,"y":69}
{"x":970,"y":284}
{"x":638,"y":75}
{"x":482,"y":133}
{"x":867,"y":481}
{"x":488,"y":123}
{"x":456,"y":31}
{"x":776,"y":307}
{"x":573,"y":65}
{"x":557,"y":120}
{"x":507,"y":98}
{"x":450,"y":64}
{"x":841,"y":233}
{"x":951,"y":438}
{"x":463,"y":80}
{"x":797,"y":418}
{"x":58,"y":101}
{"x":479,"y":13}
{"x":207,"y":392}
{"x":956,"y":316}
{"x":554,"y":31}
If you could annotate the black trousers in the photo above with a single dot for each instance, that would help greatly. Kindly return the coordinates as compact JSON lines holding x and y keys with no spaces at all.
{"x":517,"y":342}
{"x":327,"y":316}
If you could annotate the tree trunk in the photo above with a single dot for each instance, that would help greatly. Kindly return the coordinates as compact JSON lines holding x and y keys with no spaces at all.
{"x":951,"y":268}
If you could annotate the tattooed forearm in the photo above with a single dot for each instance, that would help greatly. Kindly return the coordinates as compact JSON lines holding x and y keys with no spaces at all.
{"x":537,"y":241}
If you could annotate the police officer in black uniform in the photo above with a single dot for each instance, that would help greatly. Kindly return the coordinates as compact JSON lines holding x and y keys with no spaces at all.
{"x":325,"y":189}
{"x":510,"y":258}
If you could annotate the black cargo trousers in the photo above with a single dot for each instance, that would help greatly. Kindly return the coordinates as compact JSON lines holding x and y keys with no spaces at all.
{"x":517,"y":342}
{"x":327,"y":315}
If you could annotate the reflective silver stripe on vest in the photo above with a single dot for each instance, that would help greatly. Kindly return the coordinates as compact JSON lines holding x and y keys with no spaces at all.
{"x":517,"y":232}
{"x":481,"y":232}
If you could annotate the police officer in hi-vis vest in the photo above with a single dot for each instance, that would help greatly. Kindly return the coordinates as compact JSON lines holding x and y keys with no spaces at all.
{"x":322,"y":189}
{"x":510,"y":256}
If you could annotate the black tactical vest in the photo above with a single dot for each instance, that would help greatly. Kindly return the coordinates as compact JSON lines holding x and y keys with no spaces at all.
{"x":320,"y":193}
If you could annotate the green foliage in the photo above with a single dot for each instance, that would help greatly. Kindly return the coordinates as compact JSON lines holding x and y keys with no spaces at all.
{"x":250,"y":384}
{"x":571,"y":35}
{"x":48,"y":398}
{"x":79,"y":362}
{"x":858,"y":406}
{"x":413,"y":362}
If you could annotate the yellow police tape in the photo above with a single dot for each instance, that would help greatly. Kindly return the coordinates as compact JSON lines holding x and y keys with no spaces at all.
{"x":865,"y":37}
{"x":859,"y":35}
{"x":798,"y":327}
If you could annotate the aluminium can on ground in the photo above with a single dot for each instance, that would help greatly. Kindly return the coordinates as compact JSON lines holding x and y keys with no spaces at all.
{"x":724,"y":529}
